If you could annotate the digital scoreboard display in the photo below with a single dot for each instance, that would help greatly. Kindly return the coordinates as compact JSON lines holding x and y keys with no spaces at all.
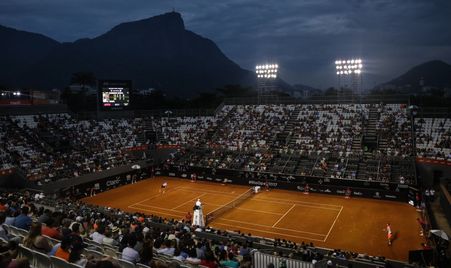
{"x":114,"y":94}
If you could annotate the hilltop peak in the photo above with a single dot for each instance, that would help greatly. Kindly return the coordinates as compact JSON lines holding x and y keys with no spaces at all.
{"x":435,"y":73}
{"x":171,"y":21}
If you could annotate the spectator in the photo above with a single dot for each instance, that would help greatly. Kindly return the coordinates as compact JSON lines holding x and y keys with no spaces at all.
{"x":167,"y":248}
{"x":229,"y":261}
{"x":108,"y":240}
{"x":3,"y":232}
{"x":51,"y":230}
{"x":209,"y":260}
{"x":75,"y":255}
{"x":98,"y":235}
{"x":63,"y":250}
{"x":23,"y":221}
{"x":146,"y":252}
{"x":129,"y":253}
{"x":35,"y":240}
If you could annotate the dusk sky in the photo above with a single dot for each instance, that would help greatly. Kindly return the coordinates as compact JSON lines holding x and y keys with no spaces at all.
{"x":304,"y":37}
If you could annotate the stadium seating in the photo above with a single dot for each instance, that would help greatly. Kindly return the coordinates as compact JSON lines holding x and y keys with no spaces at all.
{"x":286,"y":139}
{"x":159,"y":230}
{"x":433,"y":138}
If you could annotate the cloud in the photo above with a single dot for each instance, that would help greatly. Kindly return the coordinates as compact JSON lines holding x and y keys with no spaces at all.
{"x":303,"y":36}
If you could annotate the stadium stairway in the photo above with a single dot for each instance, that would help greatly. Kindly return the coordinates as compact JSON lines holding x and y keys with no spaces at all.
{"x":286,"y":137}
{"x":356,"y":143}
{"x":219,"y":127}
{"x":372,"y":122}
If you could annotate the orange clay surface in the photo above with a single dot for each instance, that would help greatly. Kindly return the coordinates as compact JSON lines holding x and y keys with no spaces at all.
{"x":329,"y":221}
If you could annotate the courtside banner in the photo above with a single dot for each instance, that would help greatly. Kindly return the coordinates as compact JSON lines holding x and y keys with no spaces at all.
{"x":375,"y":190}
{"x":432,"y":161}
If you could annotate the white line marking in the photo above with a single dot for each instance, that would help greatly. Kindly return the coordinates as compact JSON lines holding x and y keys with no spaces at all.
{"x":297,"y":201}
{"x":267,"y":226}
{"x":156,"y":212}
{"x":191,"y":200}
{"x":284,"y":203}
{"x":338,"y":215}
{"x":247,"y":209}
{"x":268,"y":232}
{"x":153,"y":196}
{"x":157,"y":208}
{"x":208,"y":191}
{"x":283,"y":216}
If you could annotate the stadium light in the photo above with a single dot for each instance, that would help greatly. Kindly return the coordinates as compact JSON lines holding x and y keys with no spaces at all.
{"x":349,"y":66}
{"x":267,"y":71}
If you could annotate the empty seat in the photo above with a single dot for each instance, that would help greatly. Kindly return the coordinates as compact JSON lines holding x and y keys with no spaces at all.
{"x":60,"y":263}
{"x":41,"y":260}
{"x":126,"y":264}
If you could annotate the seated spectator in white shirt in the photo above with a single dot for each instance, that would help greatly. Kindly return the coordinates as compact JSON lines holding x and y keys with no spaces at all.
{"x":98,"y":235}
{"x":129,"y":253}
{"x":167,"y":248}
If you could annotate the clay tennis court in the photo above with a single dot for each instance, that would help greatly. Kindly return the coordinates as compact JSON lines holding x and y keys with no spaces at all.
{"x":329,"y":221}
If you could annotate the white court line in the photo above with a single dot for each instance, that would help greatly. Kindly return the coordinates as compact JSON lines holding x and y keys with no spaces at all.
{"x":286,"y":203}
{"x":155,"y":207}
{"x":173,"y":209}
{"x":268,"y":226}
{"x":268,"y":232}
{"x":209,"y":192}
{"x":191,"y":200}
{"x":155,"y":212}
{"x":247,"y":209}
{"x":283,"y":216}
{"x":297,"y":201}
{"x":153,"y":196}
{"x":333,"y":224}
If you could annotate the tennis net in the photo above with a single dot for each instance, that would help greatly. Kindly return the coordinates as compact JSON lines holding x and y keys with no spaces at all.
{"x":232,"y":204}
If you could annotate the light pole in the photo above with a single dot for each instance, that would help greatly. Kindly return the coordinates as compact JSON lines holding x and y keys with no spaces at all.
{"x":266,"y":79}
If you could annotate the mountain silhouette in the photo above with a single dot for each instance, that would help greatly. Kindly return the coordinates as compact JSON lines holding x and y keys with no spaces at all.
{"x":157,"y":52}
{"x":19,"y":50}
{"x":434,"y":73}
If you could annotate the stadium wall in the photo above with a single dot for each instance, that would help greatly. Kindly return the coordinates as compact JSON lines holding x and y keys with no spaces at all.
{"x":432,"y":171}
{"x":336,"y":99}
{"x":12,"y":178}
{"x":445,"y":202}
{"x":375,"y":190}
{"x":98,"y":181}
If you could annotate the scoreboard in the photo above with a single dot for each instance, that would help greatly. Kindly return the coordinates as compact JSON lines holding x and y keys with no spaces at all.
{"x":114,"y":94}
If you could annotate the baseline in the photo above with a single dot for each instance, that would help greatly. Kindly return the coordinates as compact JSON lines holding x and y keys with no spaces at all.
{"x":269,"y":232}
{"x":268,"y":226}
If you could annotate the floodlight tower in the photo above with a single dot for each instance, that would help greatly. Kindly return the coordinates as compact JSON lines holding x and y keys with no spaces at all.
{"x":350,"y":70}
{"x":266,"y":79}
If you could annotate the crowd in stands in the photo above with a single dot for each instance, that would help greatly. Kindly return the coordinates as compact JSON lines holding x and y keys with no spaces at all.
{"x":187,"y":131}
{"x":90,"y":236}
{"x":252,"y":127}
{"x":327,"y":128}
{"x":433,"y":138}
{"x":298,"y":139}
{"x":395,"y":127}
{"x":57,"y":146}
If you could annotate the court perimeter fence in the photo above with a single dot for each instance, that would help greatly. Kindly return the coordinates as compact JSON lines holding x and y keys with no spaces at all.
{"x":359,"y":188}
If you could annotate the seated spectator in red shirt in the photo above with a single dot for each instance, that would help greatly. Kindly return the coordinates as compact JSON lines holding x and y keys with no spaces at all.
{"x":209,"y":260}
{"x":2,"y":205}
{"x":51,"y":230}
